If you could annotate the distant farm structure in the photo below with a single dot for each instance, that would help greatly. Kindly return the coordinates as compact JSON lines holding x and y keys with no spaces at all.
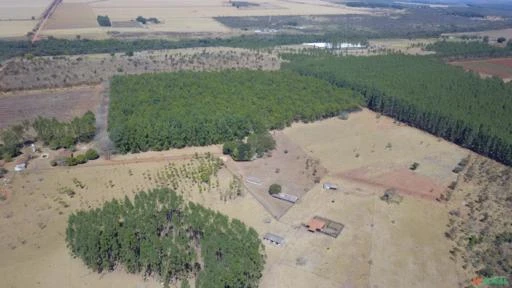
{"x":330,"y":186}
{"x":274,"y":239}
{"x":286,"y":197}
{"x":324,"y":225}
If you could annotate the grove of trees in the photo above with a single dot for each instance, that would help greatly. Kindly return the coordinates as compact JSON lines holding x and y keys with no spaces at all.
{"x":160,"y":111}
{"x":65,"y":134}
{"x":425,"y":93}
{"x":104,"y":21}
{"x":52,"y":132}
{"x":257,"y":144}
{"x":160,"y":235}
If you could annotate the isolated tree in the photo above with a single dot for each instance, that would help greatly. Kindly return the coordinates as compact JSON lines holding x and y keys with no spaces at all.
{"x":274,"y":189}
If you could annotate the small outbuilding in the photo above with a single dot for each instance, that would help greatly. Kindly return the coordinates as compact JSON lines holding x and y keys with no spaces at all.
{"x":21,"y":163}
{"x":274,"y":239}
{"x":286,"y":197}
{"x":330,"y":186}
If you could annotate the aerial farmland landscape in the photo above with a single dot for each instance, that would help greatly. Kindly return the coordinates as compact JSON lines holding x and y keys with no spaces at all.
{"x":261,"y":143}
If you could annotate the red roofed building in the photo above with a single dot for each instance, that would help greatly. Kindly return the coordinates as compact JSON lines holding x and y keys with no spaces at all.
{"x":315,"y":224}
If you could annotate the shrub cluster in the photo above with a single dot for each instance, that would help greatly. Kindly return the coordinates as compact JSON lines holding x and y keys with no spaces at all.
{"x":90,"y":154}
{"x":257,"y":144}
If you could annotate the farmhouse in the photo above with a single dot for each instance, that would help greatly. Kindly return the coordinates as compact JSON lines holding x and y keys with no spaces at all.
{"x":286,"y":197}
{"x":330,"y":186}
{"x":274,"y":239}
{"x":324,"y":225}
{"x":315,"y":224}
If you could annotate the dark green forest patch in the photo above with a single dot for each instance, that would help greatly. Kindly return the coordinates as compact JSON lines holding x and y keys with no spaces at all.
{"x":469,"y":49}
{"x":425,"y":93}
{"x":158,"y":234}
{"x":160,"y":111}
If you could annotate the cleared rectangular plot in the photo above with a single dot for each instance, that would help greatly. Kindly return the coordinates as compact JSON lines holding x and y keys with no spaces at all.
{"x":62,"y":104}
{"x":72,"y":16}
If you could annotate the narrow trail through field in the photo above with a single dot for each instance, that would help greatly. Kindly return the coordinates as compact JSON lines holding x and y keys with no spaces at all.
{"x":102,"y":138}
{"x":111,"y":162}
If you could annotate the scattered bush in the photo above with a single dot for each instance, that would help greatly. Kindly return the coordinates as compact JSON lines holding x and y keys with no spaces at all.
{"x":414,"y":166}
{"x":229,"y":147}
{"x":92,"y":154}
{"x":81,"y":159}
{"x":261,"y":143}
{"x":3,"y":171}
{"x":274,"y":189}
{"x":391,"y":196}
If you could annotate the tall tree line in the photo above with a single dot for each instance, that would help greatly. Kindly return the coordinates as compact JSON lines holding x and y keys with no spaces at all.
{"x":426,"y":93}
{"x":468,"y":49}
{"x":160,"y":111}
{"x":160,"y":235}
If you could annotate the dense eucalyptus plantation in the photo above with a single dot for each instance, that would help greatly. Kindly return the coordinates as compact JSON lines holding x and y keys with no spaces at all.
{"x":159,"y":111}
{"x":426,"y":93}
{"x":158,"y":233}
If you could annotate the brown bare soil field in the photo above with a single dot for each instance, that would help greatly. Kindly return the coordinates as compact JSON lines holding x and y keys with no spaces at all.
{"x":63,"y":104}
{"x":52,"y":72}
{"x":382,"y":245}
{"x":500,"y":67}
{"x":72,"y":16}
{"x":401,"y":179}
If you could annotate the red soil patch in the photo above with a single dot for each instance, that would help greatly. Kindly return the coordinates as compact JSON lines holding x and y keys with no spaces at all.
{"x":402,"y":179}
{"x":500,"y":67}
{"x":502,"y":61}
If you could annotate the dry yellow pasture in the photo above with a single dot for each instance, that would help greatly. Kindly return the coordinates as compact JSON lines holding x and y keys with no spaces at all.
{"x":382,"y":245}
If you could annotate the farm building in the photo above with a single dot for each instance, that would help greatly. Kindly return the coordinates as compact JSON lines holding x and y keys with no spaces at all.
{"x":326,"y":226}
{"x":286,"y":197}
{"x":330,"y":186}
{"x":21,"y":163}
{"x":274,"y":239}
